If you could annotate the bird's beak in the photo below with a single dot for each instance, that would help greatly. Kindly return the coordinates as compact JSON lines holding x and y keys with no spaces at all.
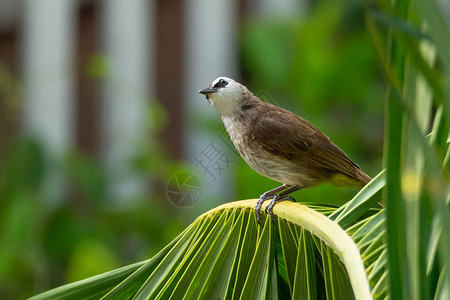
{"x":208,"y":91}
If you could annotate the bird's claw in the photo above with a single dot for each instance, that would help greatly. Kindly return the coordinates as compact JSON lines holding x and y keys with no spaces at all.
{"x":269,"y":208}
{"x":275,"y":199}
{"x":258,"y":211}
{"x":261,"y":200}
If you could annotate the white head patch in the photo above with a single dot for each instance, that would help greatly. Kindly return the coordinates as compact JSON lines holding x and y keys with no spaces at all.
{"x":228,"y":96}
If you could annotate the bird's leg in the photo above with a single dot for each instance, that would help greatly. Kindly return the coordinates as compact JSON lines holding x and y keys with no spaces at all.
{"x":267,"y":195}
{"x":281,"y":197}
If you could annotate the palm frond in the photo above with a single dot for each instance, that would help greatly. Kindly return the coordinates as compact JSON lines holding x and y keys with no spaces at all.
{"x":225,"y":254}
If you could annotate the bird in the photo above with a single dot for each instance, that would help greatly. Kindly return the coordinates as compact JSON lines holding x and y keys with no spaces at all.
{"x":279,"y":144}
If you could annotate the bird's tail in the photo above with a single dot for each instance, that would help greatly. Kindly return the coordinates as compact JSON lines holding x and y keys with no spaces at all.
{"x":357,"y":181}
{"x":363,"y":177}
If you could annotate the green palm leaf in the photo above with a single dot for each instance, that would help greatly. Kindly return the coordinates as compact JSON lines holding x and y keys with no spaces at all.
{"x":224,"y":254}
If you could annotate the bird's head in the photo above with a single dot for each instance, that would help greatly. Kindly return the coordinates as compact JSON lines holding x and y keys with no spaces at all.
{"x":226,"y":95}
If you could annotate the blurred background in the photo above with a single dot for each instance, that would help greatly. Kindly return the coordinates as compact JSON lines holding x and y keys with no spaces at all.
{"x":107,"y":151}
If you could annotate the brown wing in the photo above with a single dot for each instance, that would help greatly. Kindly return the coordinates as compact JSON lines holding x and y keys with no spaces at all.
{"x":287,"y":135}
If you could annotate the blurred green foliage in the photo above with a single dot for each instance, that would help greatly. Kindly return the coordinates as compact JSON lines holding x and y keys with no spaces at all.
{"x":45,"y":244}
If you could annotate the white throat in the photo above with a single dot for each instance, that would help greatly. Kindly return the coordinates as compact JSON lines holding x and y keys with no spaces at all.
{"x":225,"y":104}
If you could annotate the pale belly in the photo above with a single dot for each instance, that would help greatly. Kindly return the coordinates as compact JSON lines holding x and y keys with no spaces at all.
{"x":269,"y":165}
{"x":278,"y":169}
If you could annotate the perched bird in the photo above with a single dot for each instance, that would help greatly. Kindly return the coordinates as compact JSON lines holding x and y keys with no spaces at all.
{"x":280,"y":145}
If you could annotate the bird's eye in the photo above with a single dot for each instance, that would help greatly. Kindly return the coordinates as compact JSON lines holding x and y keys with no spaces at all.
{"x":221,"y":83}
